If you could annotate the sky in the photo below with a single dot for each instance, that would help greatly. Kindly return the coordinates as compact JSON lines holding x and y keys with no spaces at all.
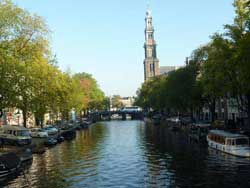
{"x":106,"y":38}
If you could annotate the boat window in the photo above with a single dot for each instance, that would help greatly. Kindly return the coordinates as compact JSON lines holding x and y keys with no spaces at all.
{"x":15,"y":133}
{"x":242,"y":141}
{"x":23,"y":133}
{"x":222,"y":140}
{"x":229,"y":142}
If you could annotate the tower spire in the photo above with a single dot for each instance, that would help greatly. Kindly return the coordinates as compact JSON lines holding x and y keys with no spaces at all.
{"x":148,"y":12}
{"x":151,"y":63}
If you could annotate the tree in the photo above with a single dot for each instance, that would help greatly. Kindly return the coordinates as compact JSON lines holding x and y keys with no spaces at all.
{"x":214,"y":71}
{"x":93,"y":96}
{"x":116,"y":101}
{"x":179,"y":91}
{"x":30,"y":79}
{"x":23,"y":43}
{"x":226,"y":61}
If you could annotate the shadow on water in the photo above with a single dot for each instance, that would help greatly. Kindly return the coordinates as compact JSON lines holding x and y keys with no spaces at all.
{"x":132,"y":154}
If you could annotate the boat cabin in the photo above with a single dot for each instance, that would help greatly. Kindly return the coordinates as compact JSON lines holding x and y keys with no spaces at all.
{"x":14,"y":135}
{"x":227,"y":138}
{"x":235,"y":144}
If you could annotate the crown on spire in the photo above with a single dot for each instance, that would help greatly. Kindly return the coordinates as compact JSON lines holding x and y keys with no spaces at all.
{"x":148,"y":13}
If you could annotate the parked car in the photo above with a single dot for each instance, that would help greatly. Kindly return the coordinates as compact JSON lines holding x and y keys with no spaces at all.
{"x":60,"y":139}
{"x":51,"y":130}
{"x":71,"y":124}
{"x":85,"y":124}
{"x":218,"y":124}
{"x":50,"y":142}
{"x":185,"y":120}
{"x":38,"y":132}
{"x":174,"y":119}
{"x":64,"y":125}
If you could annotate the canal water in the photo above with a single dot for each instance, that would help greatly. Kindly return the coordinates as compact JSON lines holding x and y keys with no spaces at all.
{"x":132,"y":154}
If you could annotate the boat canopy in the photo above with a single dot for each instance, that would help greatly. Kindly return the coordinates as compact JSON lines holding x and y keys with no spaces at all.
{"x":13,"y":127}
{"x":226,"y":134}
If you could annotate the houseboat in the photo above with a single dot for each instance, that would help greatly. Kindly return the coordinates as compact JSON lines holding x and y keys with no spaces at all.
{"x":199,"y":131}
{"x":14,"y":135}
{"x":234,"y":144}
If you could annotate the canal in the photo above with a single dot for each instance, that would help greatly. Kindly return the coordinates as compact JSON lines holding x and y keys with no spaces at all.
{"x":132,"y":154}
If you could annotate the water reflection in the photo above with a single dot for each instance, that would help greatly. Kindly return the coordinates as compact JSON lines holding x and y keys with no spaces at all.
{"x":132,"y":154}
{"x":194,"y":165}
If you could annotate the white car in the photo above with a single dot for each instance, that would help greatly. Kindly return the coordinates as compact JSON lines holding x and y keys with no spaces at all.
{"x":50,"y":130}
{"x":37,"y":132}
{"x":131,"y":109}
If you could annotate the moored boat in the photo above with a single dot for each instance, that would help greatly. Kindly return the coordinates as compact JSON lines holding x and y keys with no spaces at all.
{"x":234,"y":144}
{"x":26,"y":155}
{"x":198,"y":132}
{"x":15,"y":135}
{"x":157,"y":119}
{"x":9,"y":164}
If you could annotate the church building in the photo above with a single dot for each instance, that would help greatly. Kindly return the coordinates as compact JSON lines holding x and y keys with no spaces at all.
{"x":151,"y":63}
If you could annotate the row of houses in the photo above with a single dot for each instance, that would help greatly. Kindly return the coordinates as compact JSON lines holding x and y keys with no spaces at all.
{"x":14,"y":116}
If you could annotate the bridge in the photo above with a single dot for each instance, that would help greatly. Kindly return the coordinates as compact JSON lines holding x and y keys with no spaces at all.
{"x":107,"y":115}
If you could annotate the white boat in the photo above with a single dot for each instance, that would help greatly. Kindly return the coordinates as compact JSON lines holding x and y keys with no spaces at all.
{"x":234,"y":144}
{"x":14,"y":135}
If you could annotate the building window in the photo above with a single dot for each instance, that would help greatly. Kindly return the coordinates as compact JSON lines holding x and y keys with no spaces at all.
{"x":150,"y":36}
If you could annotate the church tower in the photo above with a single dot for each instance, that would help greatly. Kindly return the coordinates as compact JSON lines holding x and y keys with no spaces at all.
{"x":151,"y":63}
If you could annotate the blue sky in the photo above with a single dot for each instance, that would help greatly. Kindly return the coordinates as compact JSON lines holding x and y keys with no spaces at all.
{"x":105,"y":38}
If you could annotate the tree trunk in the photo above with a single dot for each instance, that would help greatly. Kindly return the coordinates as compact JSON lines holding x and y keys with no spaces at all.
{"x":212,"y":109}
{"x":37,"y":121}
{"x":219,"y":108}
{"x":225,"y":110}
{"x":192,"y":113}
{"x":24,"y":112}
{"x":4,"y":116}
{"x":248,"y":109}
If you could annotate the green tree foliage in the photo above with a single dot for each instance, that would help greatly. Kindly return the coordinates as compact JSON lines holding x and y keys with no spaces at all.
{"x":116,"y":101}
{"x":30,"y":79}
{"x":23,"y":44}
{"x":183,"y":90}
{"x":93,"y":97}
{"x":177,"y":92}
{"x":226,"y":61}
